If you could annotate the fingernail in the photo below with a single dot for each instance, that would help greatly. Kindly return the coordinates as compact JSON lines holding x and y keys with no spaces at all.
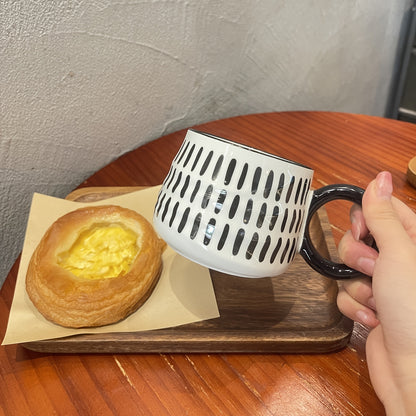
{"x":366,"y":318}
{"x":384,"y":185}
{"x":356,"y":230}
{"x":366,"y":265}
{"x":355,"y":227}
{"x":372,"y":303}
{"x":363,"y":317}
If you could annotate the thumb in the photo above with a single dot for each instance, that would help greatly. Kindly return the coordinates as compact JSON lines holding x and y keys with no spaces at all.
{"x":380,"y":215}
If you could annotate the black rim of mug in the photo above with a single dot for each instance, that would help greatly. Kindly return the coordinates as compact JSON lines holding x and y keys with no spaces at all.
{"x":249,"y":148}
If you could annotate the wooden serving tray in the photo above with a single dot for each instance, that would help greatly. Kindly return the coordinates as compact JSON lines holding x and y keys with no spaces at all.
{"x":292,"y":313}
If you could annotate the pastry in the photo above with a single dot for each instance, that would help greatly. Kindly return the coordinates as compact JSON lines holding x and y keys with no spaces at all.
{"x":94,"y":266}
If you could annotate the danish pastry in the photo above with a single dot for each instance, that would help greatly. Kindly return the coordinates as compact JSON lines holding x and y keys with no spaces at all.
{"x":94,"y":266}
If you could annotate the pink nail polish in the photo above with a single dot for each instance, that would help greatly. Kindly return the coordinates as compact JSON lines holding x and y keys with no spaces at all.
{"x":363,"y":317}
{"x":384,"y":185}
{"x":356,"y":231}
{"x":366,"y":318}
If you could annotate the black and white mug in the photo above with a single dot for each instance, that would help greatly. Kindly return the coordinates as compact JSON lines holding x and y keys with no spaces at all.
{"x":242,"y":211}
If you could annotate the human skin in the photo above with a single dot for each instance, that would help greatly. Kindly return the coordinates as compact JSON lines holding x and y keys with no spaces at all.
{"x":386,"y":299}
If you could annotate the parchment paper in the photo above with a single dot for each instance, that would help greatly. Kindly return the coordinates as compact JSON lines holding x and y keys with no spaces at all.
{"x":184,"y":293}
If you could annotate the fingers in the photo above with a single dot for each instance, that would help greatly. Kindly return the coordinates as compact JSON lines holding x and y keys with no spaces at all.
{"x":358,"y":226}
{"x":405,"y":215}
{"x":393,"y":226}
{"x":355,"y":300}
{"x":381,"y":217}
{"x":357,"y":254}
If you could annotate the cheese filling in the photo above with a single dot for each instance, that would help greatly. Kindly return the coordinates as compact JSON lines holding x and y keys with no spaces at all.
{"x":101,"y":252}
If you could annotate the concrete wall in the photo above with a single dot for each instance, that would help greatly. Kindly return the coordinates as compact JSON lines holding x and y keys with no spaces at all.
{"x":84,"y":81}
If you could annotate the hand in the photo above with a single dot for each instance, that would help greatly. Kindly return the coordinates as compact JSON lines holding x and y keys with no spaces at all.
{"x":387,"y":302}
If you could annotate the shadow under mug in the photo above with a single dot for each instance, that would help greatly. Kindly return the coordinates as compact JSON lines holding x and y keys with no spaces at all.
{"x":242,"y":211}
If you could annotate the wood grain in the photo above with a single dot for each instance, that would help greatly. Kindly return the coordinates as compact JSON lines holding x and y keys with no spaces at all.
{"x":295,"y":312}
{"x":340,"y":148}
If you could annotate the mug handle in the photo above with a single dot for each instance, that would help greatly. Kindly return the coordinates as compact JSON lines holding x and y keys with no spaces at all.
{"x":308,"y":251}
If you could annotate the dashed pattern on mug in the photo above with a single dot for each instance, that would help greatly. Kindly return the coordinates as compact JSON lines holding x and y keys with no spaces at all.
{"x":219,"y":187}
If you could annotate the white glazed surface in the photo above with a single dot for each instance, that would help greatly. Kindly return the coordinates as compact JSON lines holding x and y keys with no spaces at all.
{"x":278,"y":232}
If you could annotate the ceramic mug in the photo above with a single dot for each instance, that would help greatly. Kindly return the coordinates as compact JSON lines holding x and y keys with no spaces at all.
{"x":242,"y":211}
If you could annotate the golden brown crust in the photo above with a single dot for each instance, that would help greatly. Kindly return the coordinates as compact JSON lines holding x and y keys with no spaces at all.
{"x":76,"y":302}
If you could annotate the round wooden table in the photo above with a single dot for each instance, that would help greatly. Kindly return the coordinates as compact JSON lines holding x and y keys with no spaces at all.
{"x":341,"y":148}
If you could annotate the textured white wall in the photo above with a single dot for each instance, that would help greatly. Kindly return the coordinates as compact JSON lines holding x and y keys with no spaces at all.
{"x":83,"y":81}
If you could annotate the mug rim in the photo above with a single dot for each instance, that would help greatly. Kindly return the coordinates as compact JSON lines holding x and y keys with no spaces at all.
{"x":249,"y":148}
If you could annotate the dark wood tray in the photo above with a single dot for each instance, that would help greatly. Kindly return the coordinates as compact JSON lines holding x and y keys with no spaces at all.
{"x":292,"y":313}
